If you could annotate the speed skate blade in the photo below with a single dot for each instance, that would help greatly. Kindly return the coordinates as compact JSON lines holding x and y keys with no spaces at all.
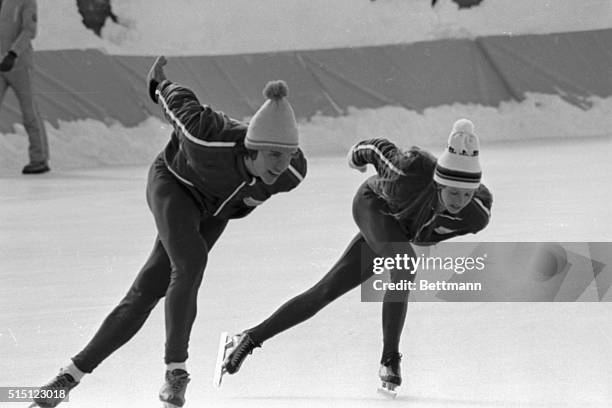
{"x":388,"y":390}
{"x":219,"y":371}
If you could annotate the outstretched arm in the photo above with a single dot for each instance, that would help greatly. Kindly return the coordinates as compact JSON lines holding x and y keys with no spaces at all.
{"x":199,"y":124}
{"x":381,"y":153}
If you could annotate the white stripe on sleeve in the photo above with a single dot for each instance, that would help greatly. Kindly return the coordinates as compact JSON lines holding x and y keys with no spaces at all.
{"x":386,"y":161}
{"x":482,"y":206}
{"x":296,"y":173}
{"x":184,"y":130}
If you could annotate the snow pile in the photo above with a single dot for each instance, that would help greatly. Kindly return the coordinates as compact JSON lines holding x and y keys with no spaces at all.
{"x":207,"y":27}
{"x":538,"y":116}
{"x":89,"y":143}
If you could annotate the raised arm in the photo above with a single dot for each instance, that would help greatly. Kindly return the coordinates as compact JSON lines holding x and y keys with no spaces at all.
{"x":199,"y":124}
{"x":381,"y":153}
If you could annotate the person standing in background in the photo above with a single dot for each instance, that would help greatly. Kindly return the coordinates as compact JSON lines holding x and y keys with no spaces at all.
{"x":18,"y":24}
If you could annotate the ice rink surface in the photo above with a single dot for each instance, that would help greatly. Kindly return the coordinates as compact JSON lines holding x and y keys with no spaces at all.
{"x":72,"y":241}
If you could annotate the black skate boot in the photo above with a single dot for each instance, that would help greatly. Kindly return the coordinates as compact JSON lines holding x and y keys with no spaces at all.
{"x":390,"y":374}
{"x":172,"y":392}
{"x":55,"y":391}
{"x":242,"y":345}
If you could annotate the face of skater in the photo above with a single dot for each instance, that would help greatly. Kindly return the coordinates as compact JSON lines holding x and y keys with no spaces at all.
{"x":268,"y":165}
{"x":455,"y":199}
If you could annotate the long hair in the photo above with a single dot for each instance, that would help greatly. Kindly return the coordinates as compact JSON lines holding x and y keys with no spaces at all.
{"x":411,"y":196}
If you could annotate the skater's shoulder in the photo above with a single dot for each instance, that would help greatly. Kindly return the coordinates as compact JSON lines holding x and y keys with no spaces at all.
{"x":483,"y":195}
{"x":479,"y":209}
{"x":416,"y":159}
{"x":216,"y":129}
{"x":415,"y":165}
{"x":294,"y":175}
{"x":299,"y":163}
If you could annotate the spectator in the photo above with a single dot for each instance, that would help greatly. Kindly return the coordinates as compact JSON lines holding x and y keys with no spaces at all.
{"x":95,"y":13}
{"x":18,"y":20}
{"x":461,"y":3}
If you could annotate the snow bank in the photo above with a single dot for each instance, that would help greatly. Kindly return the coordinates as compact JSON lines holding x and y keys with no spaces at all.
{"x":91,"y":143}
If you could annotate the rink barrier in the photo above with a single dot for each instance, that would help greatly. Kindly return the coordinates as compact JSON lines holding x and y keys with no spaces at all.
{"x":89,"y":84}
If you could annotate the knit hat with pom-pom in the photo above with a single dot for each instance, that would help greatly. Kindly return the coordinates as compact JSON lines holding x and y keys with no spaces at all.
{"x":273,"y":126}
{"x":459,"y":165}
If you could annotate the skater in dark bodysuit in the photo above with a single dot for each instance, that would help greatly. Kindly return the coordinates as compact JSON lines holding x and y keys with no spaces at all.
{"x":214,"y":169}
{"x":412,"y":199}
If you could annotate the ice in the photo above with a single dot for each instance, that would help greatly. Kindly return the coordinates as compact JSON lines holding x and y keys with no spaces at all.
{"x":71,"y":242}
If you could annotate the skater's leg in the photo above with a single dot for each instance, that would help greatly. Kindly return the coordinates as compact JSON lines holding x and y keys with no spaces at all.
{"x":394,"y":308}
{"x":173,"y":391}
{"x":385,"y":236}
{"x":393,"y":317}
{"x":211,"y":229}
{"x":345,"y":275}
{"x":131,"y":313}
{"x":179,"y":224}
{"x":380,"y":230}
{"x":187,"y":274}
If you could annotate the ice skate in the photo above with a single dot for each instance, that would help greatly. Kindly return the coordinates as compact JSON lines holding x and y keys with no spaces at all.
{"x":231,"y":353}
{"x":172,"y":393}
{"x":55,"y":391}
{"x":390,"y":374}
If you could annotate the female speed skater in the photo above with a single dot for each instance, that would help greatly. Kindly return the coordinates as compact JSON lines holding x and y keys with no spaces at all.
{"x":213,"y":169}
{"x":413,"y":199}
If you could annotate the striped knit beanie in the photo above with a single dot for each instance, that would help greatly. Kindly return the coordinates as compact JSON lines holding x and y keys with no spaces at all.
{"x":273,"y":126}
{"x":459,"y":165}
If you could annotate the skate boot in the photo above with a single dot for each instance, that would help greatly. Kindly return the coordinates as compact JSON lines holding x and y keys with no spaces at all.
{"x":231,"y":353}
{"x":390,"y":374}
{"x":242,"y":345}
{"x":55,"y":391}
{"x":172,"y":393}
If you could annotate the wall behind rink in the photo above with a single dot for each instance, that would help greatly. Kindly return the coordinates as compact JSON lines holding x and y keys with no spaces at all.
{"x":486,"y":71}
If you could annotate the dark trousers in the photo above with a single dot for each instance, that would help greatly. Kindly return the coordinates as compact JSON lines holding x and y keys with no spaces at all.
{"x":174,"y":269}
{"x":377,"y":234}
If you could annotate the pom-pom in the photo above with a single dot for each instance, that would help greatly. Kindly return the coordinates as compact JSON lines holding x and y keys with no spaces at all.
{"x":463,"y":125}
{"x":276,"y":90}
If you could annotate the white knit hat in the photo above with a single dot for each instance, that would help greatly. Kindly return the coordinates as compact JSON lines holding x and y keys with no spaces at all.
{"x":273,"y":126}
{"x":459,"y":165}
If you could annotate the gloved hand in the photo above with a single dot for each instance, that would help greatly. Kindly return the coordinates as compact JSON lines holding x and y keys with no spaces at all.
{"x":351,"y":163}
{"x":8,"y":61}
{"x":156,"y":75}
